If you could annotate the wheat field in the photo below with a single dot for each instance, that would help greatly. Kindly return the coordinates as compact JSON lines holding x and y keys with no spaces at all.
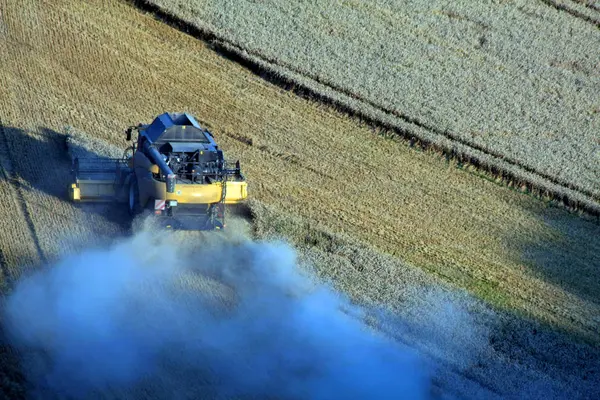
{"x":99,"y":67}
{"x":512,"y":84}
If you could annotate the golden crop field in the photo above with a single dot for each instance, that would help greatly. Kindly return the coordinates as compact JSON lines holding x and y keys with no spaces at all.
{"x":400,"y":217}
{"x":510,"y":85}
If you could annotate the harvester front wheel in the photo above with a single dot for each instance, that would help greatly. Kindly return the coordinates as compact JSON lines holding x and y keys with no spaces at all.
{"x":134,"y":198}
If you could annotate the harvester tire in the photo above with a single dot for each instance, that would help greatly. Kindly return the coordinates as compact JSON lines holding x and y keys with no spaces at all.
{"x":134,"y":198}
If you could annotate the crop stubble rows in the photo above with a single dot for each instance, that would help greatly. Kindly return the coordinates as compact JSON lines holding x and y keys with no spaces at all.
{"x":496,"y":83}
{"x":102,"y":66}
{"x":308,"y":160}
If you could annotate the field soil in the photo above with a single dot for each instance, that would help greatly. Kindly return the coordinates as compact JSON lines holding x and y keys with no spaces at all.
{"x":98,"y":67}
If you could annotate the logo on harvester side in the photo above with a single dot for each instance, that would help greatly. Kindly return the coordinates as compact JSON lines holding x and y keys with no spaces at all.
{"x":159,"y":204}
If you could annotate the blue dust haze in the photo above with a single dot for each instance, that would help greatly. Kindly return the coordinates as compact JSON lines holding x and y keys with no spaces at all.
{"x":152,"y":317}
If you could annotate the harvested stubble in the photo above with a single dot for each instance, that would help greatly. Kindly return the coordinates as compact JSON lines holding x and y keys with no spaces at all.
{"x":472,"y":341}
{"x":493,"y":82}
{"x":103,"y":68}
{"x":303,"y":157}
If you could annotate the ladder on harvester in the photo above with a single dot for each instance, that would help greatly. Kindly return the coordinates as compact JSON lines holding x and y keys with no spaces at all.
{"x":221,"y":204}
{"x":216,"y":212}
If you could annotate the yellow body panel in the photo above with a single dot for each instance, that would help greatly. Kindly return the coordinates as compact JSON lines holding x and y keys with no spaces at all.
{"x":236,"y":192}
{"x":74,"y":192}
{"x":105,"y":190}
{"x":92,"y":190}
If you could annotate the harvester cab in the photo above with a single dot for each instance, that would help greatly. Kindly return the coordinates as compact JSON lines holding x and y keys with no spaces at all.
{"x":173,"y":170}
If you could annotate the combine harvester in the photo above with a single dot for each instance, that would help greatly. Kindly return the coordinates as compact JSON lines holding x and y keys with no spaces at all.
{"x":174,"y":170}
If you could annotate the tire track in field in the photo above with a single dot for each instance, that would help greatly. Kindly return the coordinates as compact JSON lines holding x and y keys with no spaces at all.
{"x":588,"y":4}
{"x":7,"y":163}
{"x":4,"y":273}
{"x":560,"y":6}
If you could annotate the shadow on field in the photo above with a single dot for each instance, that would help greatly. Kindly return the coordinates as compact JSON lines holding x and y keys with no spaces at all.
{"x":12,"y":381}
{"x":40,"y":161}
{"x":565,"y":253}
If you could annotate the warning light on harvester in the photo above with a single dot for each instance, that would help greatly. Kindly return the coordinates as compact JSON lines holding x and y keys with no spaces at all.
{"x":159,"y":204}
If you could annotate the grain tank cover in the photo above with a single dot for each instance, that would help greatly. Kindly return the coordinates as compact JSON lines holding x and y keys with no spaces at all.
{"x":176,"y":127}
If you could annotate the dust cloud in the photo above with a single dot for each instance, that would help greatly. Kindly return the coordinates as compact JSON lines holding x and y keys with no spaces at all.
{"x":159,"y":315}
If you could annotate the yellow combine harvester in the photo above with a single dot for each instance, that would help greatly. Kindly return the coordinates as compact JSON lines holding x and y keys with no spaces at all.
{"x":174,"y":170}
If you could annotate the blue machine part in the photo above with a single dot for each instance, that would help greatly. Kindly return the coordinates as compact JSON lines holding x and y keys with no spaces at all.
{"x":178,"y":128}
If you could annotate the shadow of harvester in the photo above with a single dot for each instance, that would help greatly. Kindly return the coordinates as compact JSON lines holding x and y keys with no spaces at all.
{"x":41,"y":161}
{"x":565,"y":253}
{"x":37,"y":164}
